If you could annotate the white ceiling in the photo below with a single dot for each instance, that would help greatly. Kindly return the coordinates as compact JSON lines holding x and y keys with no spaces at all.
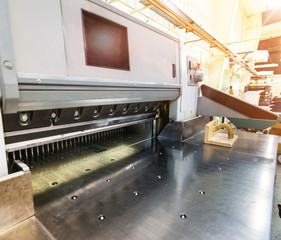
{"x":257,"y":6}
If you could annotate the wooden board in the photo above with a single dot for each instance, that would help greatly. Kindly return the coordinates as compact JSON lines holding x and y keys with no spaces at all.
{"x":221,"y":139}
{"x":16,"y":202}
{"x":216,"y":138}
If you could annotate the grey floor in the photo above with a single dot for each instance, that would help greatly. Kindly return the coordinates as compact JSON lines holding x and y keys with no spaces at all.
{"x":276,"y":220}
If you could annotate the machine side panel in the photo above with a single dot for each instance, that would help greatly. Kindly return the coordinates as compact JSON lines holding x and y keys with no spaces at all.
{"x":9,"y":93}
{"x":185,"y":107}
{"x":151,"y":54}
{"x":37,"y":33}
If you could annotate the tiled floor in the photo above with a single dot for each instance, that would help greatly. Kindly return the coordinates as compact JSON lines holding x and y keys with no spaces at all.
{"x":276,"y":220}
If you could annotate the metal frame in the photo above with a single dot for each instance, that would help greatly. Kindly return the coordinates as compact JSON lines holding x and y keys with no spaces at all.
{"x":46,"y":140}
{"x":8,"y":74}
{"x":208,"y":107}
{"x":54,"y":92}
{"x":28,"y":92}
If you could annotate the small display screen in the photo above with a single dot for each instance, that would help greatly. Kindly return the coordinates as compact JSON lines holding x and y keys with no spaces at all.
{"x":106,"y":42}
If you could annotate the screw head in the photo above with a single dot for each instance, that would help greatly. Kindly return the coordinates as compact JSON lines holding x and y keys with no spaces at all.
{"x":183,"y":216}
{"x":53,"y":115}
{"x":76,"y":113}
{"x":8,"y":65}
{"x":24,"y":117}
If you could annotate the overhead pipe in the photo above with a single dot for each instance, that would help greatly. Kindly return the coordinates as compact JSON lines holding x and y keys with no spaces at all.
{"x":180,"y":17}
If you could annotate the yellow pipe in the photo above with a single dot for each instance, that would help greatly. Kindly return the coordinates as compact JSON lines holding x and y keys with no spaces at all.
{"x":190,"y":25}
{"x":227,"y":127}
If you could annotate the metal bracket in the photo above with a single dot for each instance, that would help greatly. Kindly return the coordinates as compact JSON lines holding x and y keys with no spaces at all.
{"x":8,"y":74}
{"x":208,"y":107}
{"x":22,"y":166}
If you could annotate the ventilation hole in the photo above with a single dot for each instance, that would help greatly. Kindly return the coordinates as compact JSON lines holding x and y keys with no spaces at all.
{"x":146,"y":108}
{"x":77,"y":113}
{"x":112,"y":110}
{"x":279,"y":208}
{"x":137,"y":108}
{"x":155,"y":106}
{"x":183,"y":216}
{"x":96,"y":111}
{"x":126,"y":108}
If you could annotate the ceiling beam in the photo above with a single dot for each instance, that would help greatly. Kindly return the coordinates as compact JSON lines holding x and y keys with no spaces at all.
{"x":180,"y":17}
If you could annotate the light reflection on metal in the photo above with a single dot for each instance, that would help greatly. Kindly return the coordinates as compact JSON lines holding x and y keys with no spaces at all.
{"x":123,"y":151}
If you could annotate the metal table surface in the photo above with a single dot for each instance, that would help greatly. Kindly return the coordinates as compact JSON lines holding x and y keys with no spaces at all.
{"x":163,"y":189}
